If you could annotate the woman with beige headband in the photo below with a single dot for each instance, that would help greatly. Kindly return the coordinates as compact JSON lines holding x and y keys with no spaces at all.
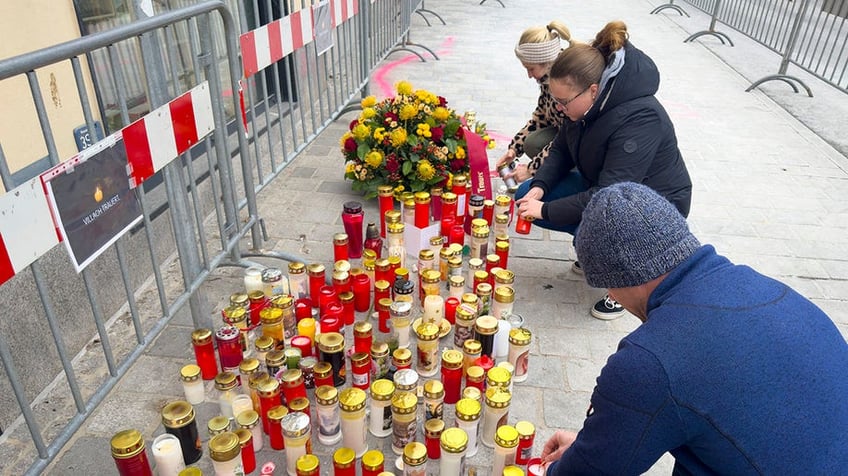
{"x":537,"y":49}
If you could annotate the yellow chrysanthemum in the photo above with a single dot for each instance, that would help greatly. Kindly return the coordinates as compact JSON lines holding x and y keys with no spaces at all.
{"x":347,"y":135}
{"x":441,"y":114}
{"x":407,"y":112}
{"x":367,"y":113}
{"x":425,"y":170}
{"x":374,"y":159}
{"x":361,"y":132}
{"x":368,"y":101}
{"x":404,"y":88}
{"x":449,"y":182}
{"x":460,"y":152}
{"x":398,"y":137}
{"x":350,"y":167}
{"x":380,"y":134}
{"x":423,"y":130}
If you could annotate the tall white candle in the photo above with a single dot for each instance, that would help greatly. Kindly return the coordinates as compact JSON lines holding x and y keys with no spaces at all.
{"x":168,"y":455}
{"x":501,"y":347}
{"x":241,"y":403}
{"x":253,"y":279}
{"x":434,"y":309}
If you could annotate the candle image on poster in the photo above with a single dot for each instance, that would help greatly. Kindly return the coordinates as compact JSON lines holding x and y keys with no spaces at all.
{"x":91,"y":199}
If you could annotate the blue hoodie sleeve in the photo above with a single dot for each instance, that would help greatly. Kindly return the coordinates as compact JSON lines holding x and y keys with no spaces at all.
{"x":632,"y":422}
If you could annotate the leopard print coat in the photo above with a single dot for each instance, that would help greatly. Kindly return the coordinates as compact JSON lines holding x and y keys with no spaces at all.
{"x":545,"y":115}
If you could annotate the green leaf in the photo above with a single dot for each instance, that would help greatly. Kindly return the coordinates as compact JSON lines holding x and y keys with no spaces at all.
{"x":412,"y":140}
{"x":406,"y":168}
{"x":362,"y":151}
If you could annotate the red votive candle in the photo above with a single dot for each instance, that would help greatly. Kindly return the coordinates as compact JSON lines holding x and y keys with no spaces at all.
{"x":331,"y":322}
{"x":317,"y":279}
{"x":422,"y":210}
{"x":502,"y":250}
{"x":382,"y":270}
{"x":340,"y":252}
{"x":326,"y":295}
{"x":387,"y":202}
{"x":522,"y":225}
{"x":361,"y":292}
{"x":457,"y":235}
{"x":382,"y":290}
{"x":348,"y":309}
{"x":489,"y":211}
{"x":383,"y":306}
{"x":304,"y":343}
{"x":302,"y":308}
{"x":451,"y":304}
{"x":447,"y":224}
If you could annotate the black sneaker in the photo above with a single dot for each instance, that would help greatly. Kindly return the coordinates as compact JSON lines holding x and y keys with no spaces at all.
{"x":576,"y":268}
{"x":607,"y":309}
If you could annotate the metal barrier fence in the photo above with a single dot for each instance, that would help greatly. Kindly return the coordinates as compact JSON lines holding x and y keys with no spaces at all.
{"x":202,"y":201}
{"x":809,"y":34}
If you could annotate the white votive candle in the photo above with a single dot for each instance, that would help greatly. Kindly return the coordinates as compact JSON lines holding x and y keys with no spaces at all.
{"x":434,"y":309}
{"x":168,"y":455}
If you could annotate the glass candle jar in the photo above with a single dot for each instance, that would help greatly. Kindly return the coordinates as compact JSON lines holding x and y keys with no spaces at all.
{"x":204,"y":353}
{"x":274,"y":283}
{"x":464,"y":328}
{"x":451,"y":304}
{"x":297,"y":434}
{"x":526,"y":435}
{"x":523,"y":224}
{"x":352,"y":219}
{"x":258,"y":302}
{"x":445,"y":254}
{"x":430,"y":283}
{"x":253,"y":279}
{"x":178,"y":420}
{"x":298,"y":283}
{"x":505,"y":278}
{"x":501,"y":224}
{"x":380,"y":418}
{"x":422,"y":210}
{"x":192,"y":384}
{"x":433,"y":429}
{"x":468,"y":412}
{"x":502,"y":204}
{"x":485,"y":328}
{"x":360,"y":370}
{"x":434,"y":398}
{"x":408,"y":208}
{"x":362,"y":336}
{"x":340,"y":241}
{"x":519,"y":352}
{"x":480,"y":242}
{"x":331,"y":346}
{"x":484,"y":298}
{"x":498,"y":377}
{"x":451,"y":375}
{"x":384,"y":306}
{"x":449,"y":204}
{"x":323,"y":373}
{"x":344,"y":462}
{"x":269,"y":397}
{"x":427,"y":362}
{"x":373,"y":242}
{"x":453,"y":443}
{"x":459,"y":186}
{"x":327,"y":407}
{"x":275,"y":363}
{"x":401,"y":319}
{"x":401,"y":360}
{"x":341,"y":282}
{"x":293,"y":357}
{"x":307,"y":368}
{"x":292,"y":385}
{"x":403,"y":290}
{"x":263,"y":345}
{"x":474,"y":265}
{"x":226,"y":383}
{"x":379,"y":360}
{"x":300,"y":404}
{"x":475,"y":377}
{"x":436,"y":202}
{"x":308,"y":465}
{"x":495,"y":414}
{"x":500,"y":353}
{"x":229,"y":348}
{"x":456,"y":285}
{"x":504,"y":299}
{"x":434,"y":310}
{"x":473,"y":393}
{"x":502,"y":252}
{"x":248,"y":454}
{"x":382,"y":271}
{"x":241,"y":404}
{"x":129,"y":455}
{"x":317,"y":279}
{"x":225,"y":452}
{"x":386,"y":201}
{"x":394,"y":241}
{"x":247,"y":367}
{"x":372,"y":463}
{"x":404,"y":419}
{"x":285,"y":304}
{"x":361,"y":292}
{"x":249,"y":420}
{"x":506,"y":443}
{"x":471,"y":350}
{"x":253,"y":383}
{"x":275,"y":424}
{"x":354,"y":429}
{"x":167,"y":454}
{"x":414,"y":459}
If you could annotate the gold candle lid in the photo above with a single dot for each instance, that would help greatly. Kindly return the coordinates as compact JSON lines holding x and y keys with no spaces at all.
{"x":224,"y":446}
{"x":452,"y":359}
{"x":276,"y":413}
{"x":245,"y":436}
{"x":256,"y":296}
{"x":379,"y":349}
{"x":484,"y":289}
{"x":434,"y":427}
{"x":282,"y":301}
{"x":201,"y":336}
{"x":504,"y":294}
{"x":385,"y":191}
{"x":299,"y":404}
{"x":330,"y":342}
{"x":393,"y":216}
{"x":474,"y":373}
{"x":239,"y":299}
{"x":177,"y":414}
{"x":486,"y":325}
{"x":395,"y":227}
{"x":502,"y":200}
{"x":315,"y":269}
{"x":297,"y":267}
{"x":127,"y":443}
{"x":468,"y":409}
{"x":454,"y":440}
{"x":248,"y":419}
{"x":472,"y":393}
{"x":427,"y":331}
{"x":497,"y":397}
{"x":431,"y":276}
{"x":271,"y":315}
{"x":269,"y":388}
{"x":459,"y":179}
{"x":190,"y":373}
{"x":426,"y":254}
{"x":372,"y":459}
{"x":322,"y":369}
{"x":404,"y":402}
{"x":498,"y":376}
{"x":382,"y":389}
{"x":326,"y":395}
{"x":248,"y":366}
{"x":472,"y":346}
{"x":234,"y":315}
{"x":414,"y":453}
{"x":340,"y":239}
{"x":513,"y":470}
{"x":362,"y":329}
{"x":504,"y":276}
{"x":449,"y":197}
{"x":295,"y":424}
{"x":264,"y":344}
{"x":352,"y":399}
{"x":422,"y":197}
{"x":434,"y":389}
{"x":344,"y":457}
{"x":218,"y":424}
{"x":525,"y":429}
{"x":506,"y":436}
{"x":520,"y":336}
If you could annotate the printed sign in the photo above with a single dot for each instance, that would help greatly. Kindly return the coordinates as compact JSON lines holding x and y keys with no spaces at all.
{"x":91,"y":199}
{"x":323,"y":27}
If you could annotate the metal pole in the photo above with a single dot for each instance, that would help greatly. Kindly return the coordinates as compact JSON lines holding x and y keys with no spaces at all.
{"x":793,"y":37}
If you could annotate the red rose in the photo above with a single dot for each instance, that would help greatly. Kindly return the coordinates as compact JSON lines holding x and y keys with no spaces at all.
{"x":442,"y":101}
{"x":390,"y":116}
{"x":350,"y":145}
{"x":460,"y":133}
{"x":353,"y":123}
{"x":392,"y":166}
{"x":437,"y":134}
{"x":457,"y":164}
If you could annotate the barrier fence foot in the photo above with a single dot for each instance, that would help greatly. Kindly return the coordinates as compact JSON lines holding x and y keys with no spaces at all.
{"x":422,"y":11}
{"x":790,"y":80}
{"x":499,"y":1}
{"x":721,"y":36}
{"x":671,"y":6}
{"x":410,"y":50}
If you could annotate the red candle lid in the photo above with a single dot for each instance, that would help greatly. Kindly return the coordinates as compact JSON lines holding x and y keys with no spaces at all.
{"x":485,"y":362}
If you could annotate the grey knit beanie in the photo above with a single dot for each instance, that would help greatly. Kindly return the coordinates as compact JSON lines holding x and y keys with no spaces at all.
{"x":630,"y":235}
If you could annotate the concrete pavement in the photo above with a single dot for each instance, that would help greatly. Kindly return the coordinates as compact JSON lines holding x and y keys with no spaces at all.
{"x":767,"y":192}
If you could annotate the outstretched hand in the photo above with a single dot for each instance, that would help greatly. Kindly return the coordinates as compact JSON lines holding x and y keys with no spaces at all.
{"x":530,"y":205}
{"x":508,"y":157}
{"x":556,"y":446}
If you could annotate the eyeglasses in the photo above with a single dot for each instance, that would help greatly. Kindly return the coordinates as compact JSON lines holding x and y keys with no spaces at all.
{"x":564,"y":102}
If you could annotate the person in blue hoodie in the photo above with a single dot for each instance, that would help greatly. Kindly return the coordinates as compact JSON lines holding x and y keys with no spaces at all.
{"x":616,"y":130}
{"x":731,"y":372}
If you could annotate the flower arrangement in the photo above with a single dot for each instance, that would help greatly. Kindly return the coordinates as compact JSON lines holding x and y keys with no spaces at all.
{"x":411,"y":141}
